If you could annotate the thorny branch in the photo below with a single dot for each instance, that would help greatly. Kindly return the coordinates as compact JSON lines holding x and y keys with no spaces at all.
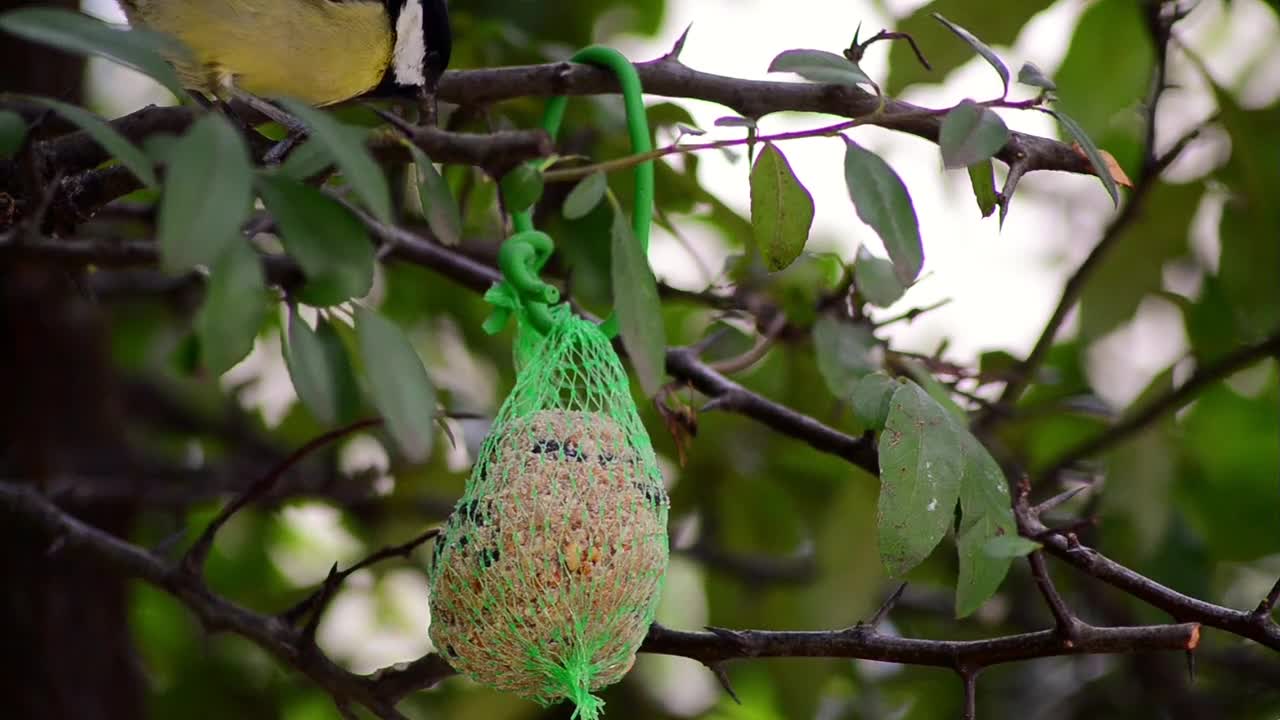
{"x":1159,"y":27}
{"x":84,"y":188}
{"x":382,"y":691}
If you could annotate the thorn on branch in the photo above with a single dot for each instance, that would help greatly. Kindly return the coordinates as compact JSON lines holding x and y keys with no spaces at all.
{"x":674,"y":56}
{"x":722,"y":675}
{"x":857,"y":50}
{"x":1057,"y":500}
{"x":194,"y":559}
{"x":1265,"y":608}
{"x":314,"y":605}
{"x":873,"y":625}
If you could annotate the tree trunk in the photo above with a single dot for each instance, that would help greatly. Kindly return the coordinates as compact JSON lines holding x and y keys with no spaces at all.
{"x":64,"y":623}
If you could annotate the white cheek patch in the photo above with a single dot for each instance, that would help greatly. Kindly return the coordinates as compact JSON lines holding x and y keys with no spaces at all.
{"x":411,"y":45}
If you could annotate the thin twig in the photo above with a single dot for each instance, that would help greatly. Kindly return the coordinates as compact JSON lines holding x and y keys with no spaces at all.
{"x":1268,"y":605}
{"x":1169,"y":402}
{"x":194,"y":559}
{"x":1066,"y":622}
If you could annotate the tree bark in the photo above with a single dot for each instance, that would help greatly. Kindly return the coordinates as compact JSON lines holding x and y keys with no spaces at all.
{"x":64,"y":623}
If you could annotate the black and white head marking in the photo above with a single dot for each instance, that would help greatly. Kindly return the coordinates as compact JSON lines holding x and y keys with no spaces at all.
{"x":423,"y":43}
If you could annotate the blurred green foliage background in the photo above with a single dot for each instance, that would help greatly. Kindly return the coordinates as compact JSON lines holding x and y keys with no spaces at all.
{"x":1193,"y":501}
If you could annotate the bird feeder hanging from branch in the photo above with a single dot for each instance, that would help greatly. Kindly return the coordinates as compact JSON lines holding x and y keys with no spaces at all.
{"x":547,"y":575}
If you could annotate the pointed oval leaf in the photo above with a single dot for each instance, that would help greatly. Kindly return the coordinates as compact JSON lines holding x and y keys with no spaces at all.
{"x":970,"y":134}
{"x":1091,"y":151}
{"x":921,"y":462}
{"x":982,"y":177}
{"x":735,"y":121}
{"x":208,"y":190}
{"x":986,"y":513}
{"x":13,"y":132}
{"x":234,"y":308}
{"x":1010,"y":546}
{"x":585,"y":196}
{"x":845,"y":352}
{"x":882,"y":201}
{"x":781,"y":209}
{"x":635,"y":297}
{"x":306,"y":161}
{"x":981,"y":48}
{"x":80,"y":34}
{"x":820,"y":66}
{"x":345,"y":145}
{"x":521,"y":188}
{"x":328,"y":242}
{"x":875,"y":278}
{"x":398,"y":382}
{"x":321,"y":371}
{"x":1031,"y":75}
{"x":438,"y":206}
{"x":116,"y":145}
{"x":871,"y":398}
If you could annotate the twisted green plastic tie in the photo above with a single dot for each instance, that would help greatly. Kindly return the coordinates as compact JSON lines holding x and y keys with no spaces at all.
{"x":532,"y":306}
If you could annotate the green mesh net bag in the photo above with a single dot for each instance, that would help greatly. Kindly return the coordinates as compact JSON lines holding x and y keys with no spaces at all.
{"x":547,"y":574}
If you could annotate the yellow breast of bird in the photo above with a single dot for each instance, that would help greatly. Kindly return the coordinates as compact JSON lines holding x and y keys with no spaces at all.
{"x":317,"y":51}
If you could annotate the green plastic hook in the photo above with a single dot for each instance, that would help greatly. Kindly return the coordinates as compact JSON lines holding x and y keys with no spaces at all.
{"x":532,"y":290}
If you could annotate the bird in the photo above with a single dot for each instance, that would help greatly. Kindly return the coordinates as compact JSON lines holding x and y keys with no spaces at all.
{"x":321,"y":52}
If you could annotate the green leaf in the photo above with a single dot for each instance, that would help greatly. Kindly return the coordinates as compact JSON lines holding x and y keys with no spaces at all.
{"x":845,"y":352}
{"x":921,"y":462}
{"x":1134,"y":268}
{"x":208,"y":191}
{"x":999,"y":22}
{"x":875,"y":279}
{"x":982,"y":176}
{"x":1010,"y":546}
{"x":1112,"y":41}
{"x":970,"y":134}
{"x":1250,"y":224}
{"x":882,"y":201}
{"x":635,"y":297}
{"x":981,"y":48}
{"x":1031,"y":75}
{"x":307,"y":160}
{"x":586,"y":195}
{"x":820,"y":66}
{"x":398,"y":382}
{"x":871,"y":397}
{"x":328,"y":242}
{"x":80,"y":34}
{"x":1229,"y":489}
{"x":438,"y":205}
{"x":521,"y":188}
{"x":234,"y":308}
{"x":1091,"y":151}
{"x":13,"y":132}
{"x":781,"y":209}
{"x":939,"y":392}
{"x":986,"y":514}
{"x":321,"y":371}
{"x":102,"y":133}
{"x":345,"y":146}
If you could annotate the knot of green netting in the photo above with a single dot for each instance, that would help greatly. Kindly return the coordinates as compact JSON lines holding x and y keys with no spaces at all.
{"x":523,"y":255}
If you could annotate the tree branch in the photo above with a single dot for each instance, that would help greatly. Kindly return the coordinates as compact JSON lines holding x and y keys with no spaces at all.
{"x":1170,"y":402}
{"x":1184,"y":608}
{"x":381,"y":691}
